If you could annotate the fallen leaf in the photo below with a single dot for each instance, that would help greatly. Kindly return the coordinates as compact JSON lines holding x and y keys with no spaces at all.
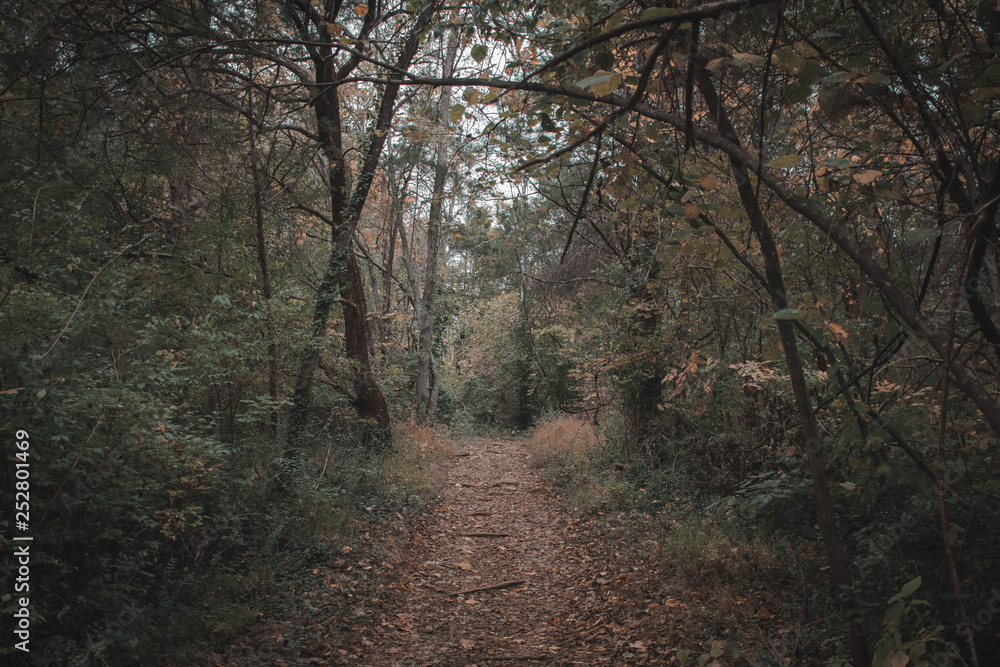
{"x":465,"y":566}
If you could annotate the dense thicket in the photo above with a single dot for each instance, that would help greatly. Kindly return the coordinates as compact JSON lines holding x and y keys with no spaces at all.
{"x":754,"y":241}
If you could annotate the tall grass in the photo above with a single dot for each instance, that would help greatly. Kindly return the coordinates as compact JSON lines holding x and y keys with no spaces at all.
{"x":561,"y":436}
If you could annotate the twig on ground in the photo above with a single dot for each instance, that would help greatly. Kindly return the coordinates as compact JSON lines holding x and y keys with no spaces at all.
{"x":505,"y":584}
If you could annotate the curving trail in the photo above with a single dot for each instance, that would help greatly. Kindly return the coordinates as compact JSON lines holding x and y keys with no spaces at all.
{"x":503,"y":574}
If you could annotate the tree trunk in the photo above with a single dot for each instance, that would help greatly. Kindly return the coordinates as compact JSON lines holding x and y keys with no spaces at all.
{"x":425,"y":323}
{"x":825,"y":512}
{"x":343,"y":276}
{"x":368,"y":399}
{"x":383,"y":322}
{"x":265,"y":279}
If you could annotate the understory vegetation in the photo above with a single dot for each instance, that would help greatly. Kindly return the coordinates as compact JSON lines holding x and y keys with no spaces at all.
{"x":735,"y":263}
{"x":748,"y":559}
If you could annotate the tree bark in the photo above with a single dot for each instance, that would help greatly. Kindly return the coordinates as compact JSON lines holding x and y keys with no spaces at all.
{"x":265,"y":280}
{"x":426,"y":371}
{"x":825,"y":511}
{"x":343,"y":277}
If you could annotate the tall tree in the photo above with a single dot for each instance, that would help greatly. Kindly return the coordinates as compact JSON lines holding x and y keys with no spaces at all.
{"x":427,"y":380}
{"x":343,"y":277}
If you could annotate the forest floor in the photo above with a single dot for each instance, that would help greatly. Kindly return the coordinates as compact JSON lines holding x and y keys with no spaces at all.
{"x":498,"y":572}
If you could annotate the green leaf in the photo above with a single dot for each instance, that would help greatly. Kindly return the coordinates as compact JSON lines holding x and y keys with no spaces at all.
{"x":457,"y":112}
{"x":608,"y":87}
{"x":657,"y":12}
{"x":602,"y":83}
{"x":907,"y":590}
{"x":839,"y":77}
{"x":910,"y":587}
{"x":879,"y":78}
{"x":479,"y":52}
{"x":789,"y":59}
{"x":730,"y":213}
{"x":921,"y":235}
{"x":790,"y":314}
{"x":836,"y":102}
{"x":591,"y":80}
{"x":785,"y":161}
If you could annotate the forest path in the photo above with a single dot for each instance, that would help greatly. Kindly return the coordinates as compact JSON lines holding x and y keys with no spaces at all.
{"x":503,"y":573}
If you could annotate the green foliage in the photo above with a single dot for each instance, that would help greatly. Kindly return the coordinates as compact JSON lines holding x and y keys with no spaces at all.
{"x":492,"y":370}
{"x":904,"y":614}
{"x":137,"y":360}
{"x":139,"y":351}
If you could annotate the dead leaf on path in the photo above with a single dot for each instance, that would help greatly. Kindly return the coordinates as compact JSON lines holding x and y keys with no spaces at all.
{"x":467,"y":643}
{"x":471,"y":601}
{"x":671,"y":602}
{"x":764,"y":614}
{"x":465,"y":566}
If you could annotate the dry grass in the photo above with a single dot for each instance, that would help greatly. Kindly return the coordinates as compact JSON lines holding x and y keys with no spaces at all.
{"x":561,"y":435}
{"x":418,"y":462}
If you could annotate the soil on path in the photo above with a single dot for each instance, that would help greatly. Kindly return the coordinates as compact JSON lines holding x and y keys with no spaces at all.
{"x":503,"y":573}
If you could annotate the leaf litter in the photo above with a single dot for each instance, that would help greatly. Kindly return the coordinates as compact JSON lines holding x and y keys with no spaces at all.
{"x":497,"y":573}
{"x":510,"y":575}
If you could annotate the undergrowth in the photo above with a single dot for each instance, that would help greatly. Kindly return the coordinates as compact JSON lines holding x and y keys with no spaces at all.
{"x":759,"y":591}
{"x":336,"y":578}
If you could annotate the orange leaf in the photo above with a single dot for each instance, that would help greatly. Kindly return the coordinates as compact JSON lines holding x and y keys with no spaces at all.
{"x":839,"y":332}
{"x":709,"y":182}
{"x":867,"y":177}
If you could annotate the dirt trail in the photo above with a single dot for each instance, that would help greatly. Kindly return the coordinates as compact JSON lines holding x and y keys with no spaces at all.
{"x":555,"y":599}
